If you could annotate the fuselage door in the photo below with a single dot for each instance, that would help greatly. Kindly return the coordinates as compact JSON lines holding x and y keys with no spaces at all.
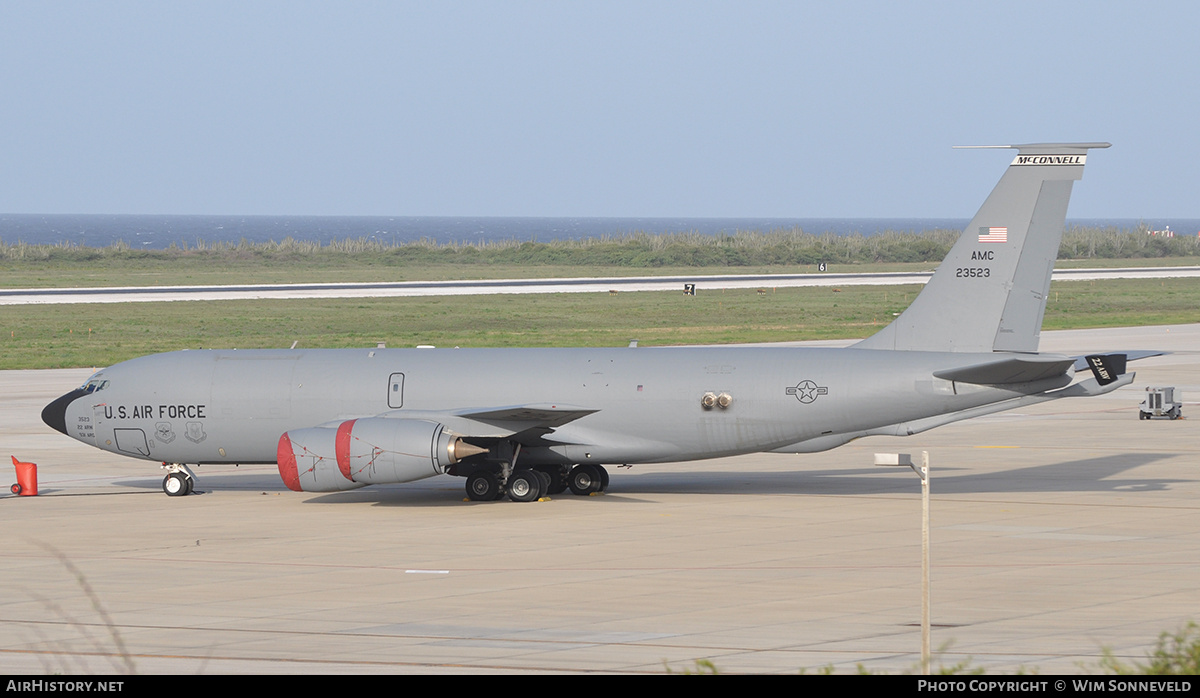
{"x":132,"y":441}
{"x":101,"y":427}
{"x":396,"y":391}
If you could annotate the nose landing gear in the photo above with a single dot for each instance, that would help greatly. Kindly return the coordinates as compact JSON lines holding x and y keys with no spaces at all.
{"x":180,"y":480}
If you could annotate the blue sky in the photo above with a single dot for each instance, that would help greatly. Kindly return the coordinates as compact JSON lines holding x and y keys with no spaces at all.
{"x":613,"y":108}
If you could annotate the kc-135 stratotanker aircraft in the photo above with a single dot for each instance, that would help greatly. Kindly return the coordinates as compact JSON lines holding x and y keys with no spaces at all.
{"x":527,"y":422}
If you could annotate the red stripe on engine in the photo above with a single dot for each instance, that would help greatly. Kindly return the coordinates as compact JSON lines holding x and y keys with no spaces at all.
{"x":286,"y":459}
{"x":341,"y":447}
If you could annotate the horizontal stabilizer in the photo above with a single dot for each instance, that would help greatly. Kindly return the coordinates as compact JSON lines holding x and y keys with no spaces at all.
{"x":1081,"y":362}
{"x":1013,"y":369}
{"x":1092,"y":387}
{"x":1088,"y":388}
{"x":1106,"y":367}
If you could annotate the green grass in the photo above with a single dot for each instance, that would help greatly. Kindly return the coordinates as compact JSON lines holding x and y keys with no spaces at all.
{"x":200,"y":272}
{"x":1103,"y":263}
{"x":1122,"y":303}
{"x":50,"y":336}
{"x":102,"y":334}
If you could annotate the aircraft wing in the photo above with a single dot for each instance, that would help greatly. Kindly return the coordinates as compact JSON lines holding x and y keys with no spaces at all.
{"x":521,"y":423}
{"x":544,"y":414}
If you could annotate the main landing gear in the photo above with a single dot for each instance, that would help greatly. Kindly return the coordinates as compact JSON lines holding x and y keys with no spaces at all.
{"x":180,"y":480}
{"x":531,"y":484}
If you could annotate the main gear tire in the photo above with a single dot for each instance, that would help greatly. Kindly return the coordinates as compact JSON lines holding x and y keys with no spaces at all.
{"x":482,"y":486}
{"x":584,"y":480}
{"x":525,"y":486}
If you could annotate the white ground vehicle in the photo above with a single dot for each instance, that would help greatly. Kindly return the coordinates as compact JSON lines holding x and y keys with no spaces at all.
{"x":1160,"y":402}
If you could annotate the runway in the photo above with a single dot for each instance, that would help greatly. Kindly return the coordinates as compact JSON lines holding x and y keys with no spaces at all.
{"x":1059,"y":531}
{"x":142,"y":294}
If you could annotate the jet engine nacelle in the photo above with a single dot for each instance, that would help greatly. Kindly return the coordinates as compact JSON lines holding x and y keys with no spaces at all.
{"x":372,"y":451}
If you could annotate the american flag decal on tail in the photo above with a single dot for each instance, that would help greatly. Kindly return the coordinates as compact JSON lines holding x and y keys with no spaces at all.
{"x":993,"y":234}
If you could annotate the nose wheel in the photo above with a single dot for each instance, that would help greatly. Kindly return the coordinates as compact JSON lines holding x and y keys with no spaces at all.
{"x":179,"y":482}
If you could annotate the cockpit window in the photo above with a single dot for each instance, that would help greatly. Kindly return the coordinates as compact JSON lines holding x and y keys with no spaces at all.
{"x":95,"y":384}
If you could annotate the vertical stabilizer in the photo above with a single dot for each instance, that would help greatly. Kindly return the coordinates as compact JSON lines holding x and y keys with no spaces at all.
{"x":989,"y":294}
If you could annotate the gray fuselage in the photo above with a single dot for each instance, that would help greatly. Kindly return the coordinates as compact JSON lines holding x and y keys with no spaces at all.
{"x":233,"y":406}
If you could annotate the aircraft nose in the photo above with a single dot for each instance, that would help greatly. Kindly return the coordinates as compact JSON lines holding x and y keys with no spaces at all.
{"x":55,"y":414}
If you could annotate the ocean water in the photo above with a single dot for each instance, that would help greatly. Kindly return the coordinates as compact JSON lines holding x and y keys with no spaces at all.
{"x":161,"y":231}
